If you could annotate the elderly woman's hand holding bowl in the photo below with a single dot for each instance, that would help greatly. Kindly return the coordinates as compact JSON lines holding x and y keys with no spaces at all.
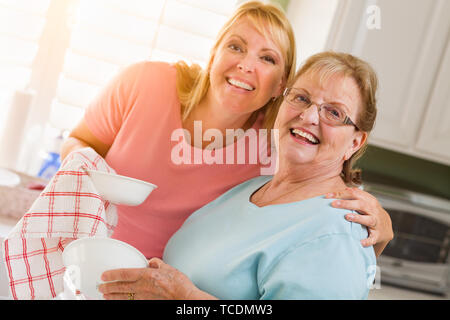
{"x":278,"y":237}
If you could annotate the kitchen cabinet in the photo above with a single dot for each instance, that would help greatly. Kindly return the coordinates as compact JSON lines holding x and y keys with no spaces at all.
{"x":409,"y":49}
{"x":435,"y":133}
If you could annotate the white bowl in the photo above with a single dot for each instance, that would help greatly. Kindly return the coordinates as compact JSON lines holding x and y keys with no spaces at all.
{"x":88,"y":258}
{"x":119,"y":189}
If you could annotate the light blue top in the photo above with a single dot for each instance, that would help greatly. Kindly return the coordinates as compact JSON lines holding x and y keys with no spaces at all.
{"x":234,"y":249}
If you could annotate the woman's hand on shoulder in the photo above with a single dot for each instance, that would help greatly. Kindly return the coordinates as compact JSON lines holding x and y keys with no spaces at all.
{"x":372,"y":215}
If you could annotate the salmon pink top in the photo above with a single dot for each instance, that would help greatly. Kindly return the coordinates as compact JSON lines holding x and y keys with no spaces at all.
{"x":138,"y":114}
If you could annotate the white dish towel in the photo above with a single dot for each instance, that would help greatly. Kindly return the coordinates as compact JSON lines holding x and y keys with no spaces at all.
{"x":68,"y":208}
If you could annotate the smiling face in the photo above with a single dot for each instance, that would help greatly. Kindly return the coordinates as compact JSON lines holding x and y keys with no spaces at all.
{"x":247,"y":70}
{"x":305,"y":139}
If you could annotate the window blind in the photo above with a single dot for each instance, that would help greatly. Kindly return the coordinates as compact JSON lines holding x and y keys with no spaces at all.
{"x":109,"y":34}
{"x":67,"y":50}
{"x":21,"y":26}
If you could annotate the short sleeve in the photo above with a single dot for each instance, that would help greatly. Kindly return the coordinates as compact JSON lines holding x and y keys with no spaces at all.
{"x":106,"y":113}
{"x":331,"y":267}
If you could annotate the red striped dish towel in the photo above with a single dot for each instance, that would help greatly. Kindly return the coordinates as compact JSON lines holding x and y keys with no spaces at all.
{"x":68,"y":208}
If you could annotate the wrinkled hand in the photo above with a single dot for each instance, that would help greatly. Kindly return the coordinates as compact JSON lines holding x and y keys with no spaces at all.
{"x":159,"y":281}
{"x":372,"y":215}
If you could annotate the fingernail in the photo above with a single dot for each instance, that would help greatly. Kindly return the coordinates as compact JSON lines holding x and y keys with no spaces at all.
{"x":337,"y":203}
{"x":349,"y":217}
{"x":329,"y":195}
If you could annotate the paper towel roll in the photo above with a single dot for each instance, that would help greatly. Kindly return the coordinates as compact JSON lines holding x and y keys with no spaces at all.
{"x":13,"y":131}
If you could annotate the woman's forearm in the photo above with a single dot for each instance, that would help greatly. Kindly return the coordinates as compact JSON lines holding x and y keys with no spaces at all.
{"x":379,"y":247}
{"x":71,"y":144}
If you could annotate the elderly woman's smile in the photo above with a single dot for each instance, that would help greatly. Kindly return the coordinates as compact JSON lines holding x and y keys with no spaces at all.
{"x":304,"y":136}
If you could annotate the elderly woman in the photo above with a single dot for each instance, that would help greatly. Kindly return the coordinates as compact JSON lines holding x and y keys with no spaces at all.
{"x":278,"y":237}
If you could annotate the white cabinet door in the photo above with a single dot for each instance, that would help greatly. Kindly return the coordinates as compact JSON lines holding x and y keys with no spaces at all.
{"x":406,"y":53}
{"x":434,"y":137}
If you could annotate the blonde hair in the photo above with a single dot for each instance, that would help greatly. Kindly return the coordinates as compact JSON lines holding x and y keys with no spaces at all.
{"x":193,"y":82}
{"x":329,"y":63}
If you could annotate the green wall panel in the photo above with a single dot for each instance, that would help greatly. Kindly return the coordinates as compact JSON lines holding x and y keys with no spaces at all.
{"x":393,"y":168}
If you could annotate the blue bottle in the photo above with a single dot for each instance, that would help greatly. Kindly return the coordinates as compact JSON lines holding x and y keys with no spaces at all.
{"x":50,"y":166}
{"x":52,"y":160}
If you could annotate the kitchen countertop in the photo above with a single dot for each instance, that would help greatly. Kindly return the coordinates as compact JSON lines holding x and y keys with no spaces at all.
{"x":388,"y":292}
{"x":16,"y":200}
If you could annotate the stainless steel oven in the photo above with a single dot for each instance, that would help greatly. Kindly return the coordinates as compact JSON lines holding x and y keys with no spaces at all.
{"x":418,"y":256}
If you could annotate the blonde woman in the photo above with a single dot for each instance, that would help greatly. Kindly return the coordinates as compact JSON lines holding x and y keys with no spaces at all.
{"x":133,"y":121}
{"x":277,"y":237}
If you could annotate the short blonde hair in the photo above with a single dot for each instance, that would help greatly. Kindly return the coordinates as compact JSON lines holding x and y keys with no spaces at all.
{"x":193,"y":82}
{"x":329,"y":63}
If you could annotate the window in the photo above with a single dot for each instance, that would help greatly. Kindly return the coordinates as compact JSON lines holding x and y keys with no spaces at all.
{"x":108,"y":34}
{"x":21,"y":26}
{"x":66,"y":50}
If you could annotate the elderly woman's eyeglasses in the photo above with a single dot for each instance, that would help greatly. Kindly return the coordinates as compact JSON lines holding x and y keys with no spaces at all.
{"x":329,"y":113}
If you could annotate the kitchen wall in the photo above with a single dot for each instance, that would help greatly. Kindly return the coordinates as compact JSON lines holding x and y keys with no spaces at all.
{"x":311,"y":21}
{"x":283,"y":3}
